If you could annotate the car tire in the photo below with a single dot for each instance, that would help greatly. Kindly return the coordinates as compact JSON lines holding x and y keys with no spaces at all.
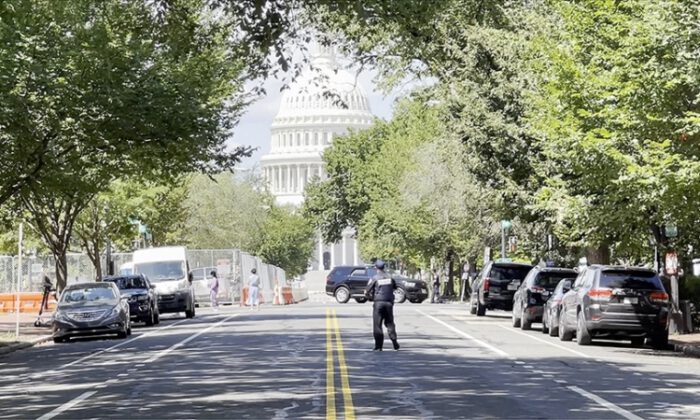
{"x":190,"y":313}
{"x":553,"y":327}
{"x":515,"y":321}
{"x":480,"y":309}
{"x":659,"y":340}
{"x":123,"y":334}
{"x":59,"y":340}
{"x":342,"y":294}
{"x":360,"y":300}
{"x":525,"y":323}
{"x":583,"y":336}
{"x":472,"y":306}
{"x":156,"y":317}
{"x":564,"y":334}
{"x":151,"y":318}
{"x":399,"y":295}
{"x":545,"y":328}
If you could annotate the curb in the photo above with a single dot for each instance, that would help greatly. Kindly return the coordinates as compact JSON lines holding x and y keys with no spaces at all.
{"x":687,"y":349}
{"x":25,"y":344}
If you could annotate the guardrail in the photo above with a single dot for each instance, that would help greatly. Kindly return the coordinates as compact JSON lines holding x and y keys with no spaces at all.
{"x":28,"y":302}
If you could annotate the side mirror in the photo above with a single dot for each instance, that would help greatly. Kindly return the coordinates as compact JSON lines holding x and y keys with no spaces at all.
{"x":152,"y":286}
{"x":190,"y":277}
{"x":124,"y":297}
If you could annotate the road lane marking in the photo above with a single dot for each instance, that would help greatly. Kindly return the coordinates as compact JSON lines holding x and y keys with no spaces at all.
{"x":67,"y":406}
{"x":465,"y":335}
{"x":344,"y":379}
{"x":187,"y":340}
{"x":605,"y":403}
{"x":578,"y":353}
{"x":330,"y":373}
{"x":89,"y":356}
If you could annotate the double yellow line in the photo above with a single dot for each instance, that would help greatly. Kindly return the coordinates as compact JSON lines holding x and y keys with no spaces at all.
{"x":333,"y":331}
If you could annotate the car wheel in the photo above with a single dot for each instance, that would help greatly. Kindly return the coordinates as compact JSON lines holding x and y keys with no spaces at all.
{"x":564,"y":334}
{"x":583,"y":336}
{"x":342,"y":294}
{"x":515,"y":320}
{"x":553,"y":326}
{"x":525,"y":323}
{"x":124,"y":333}
{"x":59,"y":340}
{"x":360,"y":300}
{"x":660,"y":340}
{"x":480,"y":309}
{"x":190,"y":313}
{"x":472,"y":306}
{"x":156,"y":317}
{"x":399,"y":295}
{"x":545,"y":328}
{"x":151,"y":318}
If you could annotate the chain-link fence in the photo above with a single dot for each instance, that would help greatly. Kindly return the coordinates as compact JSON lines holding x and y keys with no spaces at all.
{"x":80,"y":269}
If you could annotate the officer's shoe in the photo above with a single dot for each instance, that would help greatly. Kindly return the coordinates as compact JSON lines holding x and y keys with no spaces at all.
{"x":396,"y":344}
{"x":377,"y":349}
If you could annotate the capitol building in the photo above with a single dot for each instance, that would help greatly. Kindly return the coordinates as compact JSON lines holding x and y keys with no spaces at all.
{"x":322,"y":103}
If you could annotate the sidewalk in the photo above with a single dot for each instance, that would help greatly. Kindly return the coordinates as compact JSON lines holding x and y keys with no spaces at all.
{"x":29,"y":335}
{"x":688,"y":344}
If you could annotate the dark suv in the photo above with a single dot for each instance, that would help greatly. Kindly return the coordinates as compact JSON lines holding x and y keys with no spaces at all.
{"x":142,"y":297}
{"x":495,"y":286}
{"x":617,"y":303}
{"x":530,"y":298}
{"x":346,"y":281}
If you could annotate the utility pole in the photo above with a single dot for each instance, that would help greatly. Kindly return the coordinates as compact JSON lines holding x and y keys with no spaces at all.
{"x":505,"y":225}
{"x":19,"y":276}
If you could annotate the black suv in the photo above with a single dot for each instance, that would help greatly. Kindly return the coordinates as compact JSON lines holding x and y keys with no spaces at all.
{"x":142,"y":297}
{"x":617,"y":303}
{"x":346,"y":281}
{"x":495,"y":286}
{"x":530,"y":298}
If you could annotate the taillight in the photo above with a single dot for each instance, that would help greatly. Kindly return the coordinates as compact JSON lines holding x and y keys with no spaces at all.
{"x":600,"y":293}
{"x":486,"y":283}
{"x":328,"y":279}
{"x":658,"y":297}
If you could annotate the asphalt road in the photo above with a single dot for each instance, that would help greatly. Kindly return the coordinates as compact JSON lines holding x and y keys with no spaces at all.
{"x":313,"y":360}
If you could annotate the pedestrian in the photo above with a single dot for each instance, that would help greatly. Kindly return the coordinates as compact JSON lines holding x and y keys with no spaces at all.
{"x":254,"y":290}
{"x":436,"y":287}
{"x":214,"y":290}
{"x":380,"y":290}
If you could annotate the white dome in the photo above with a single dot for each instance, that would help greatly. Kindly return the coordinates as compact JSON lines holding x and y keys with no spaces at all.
{"x":322,"y":103}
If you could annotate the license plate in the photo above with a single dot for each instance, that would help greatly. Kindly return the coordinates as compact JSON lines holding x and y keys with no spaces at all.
{"x":513,"y":286}
{"x":631,"y":300}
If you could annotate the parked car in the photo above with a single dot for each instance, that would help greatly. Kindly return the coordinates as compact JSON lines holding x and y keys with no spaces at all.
{"x":345,"y":282}
{"x":86,"y":309}
{"x":617,"y":303}
{"x":141,"y":295}
{"x":550,"y":317}
{"x":495,"y":286}
{"x":533,"y":293}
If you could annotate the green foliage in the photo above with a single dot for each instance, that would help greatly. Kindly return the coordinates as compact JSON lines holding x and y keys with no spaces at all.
{"x":286,"y":240}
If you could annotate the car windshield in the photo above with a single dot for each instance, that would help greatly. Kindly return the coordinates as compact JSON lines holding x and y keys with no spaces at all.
{"x":630,"y":280}
{"x":161,"y":270}
{"x":550,"y":280}
{"x":88,"y":294}
{"x":509,"y":273}
{"x":129,"y":283}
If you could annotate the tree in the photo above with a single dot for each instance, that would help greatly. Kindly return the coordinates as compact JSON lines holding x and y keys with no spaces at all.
{"x":286,"y":240}
{"x":224,"y":212}
{"x":115,"y":89}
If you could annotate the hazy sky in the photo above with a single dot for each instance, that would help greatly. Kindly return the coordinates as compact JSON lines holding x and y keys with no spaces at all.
{"x":254,"y":128}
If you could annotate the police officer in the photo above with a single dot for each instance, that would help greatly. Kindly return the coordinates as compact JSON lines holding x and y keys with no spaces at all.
{"x":380,"y":289}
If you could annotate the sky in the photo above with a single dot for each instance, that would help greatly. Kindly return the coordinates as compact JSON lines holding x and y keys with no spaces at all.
{"x":254,"y":126}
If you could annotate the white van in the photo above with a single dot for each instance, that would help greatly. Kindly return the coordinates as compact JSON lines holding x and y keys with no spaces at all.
{"x":167,"y":268}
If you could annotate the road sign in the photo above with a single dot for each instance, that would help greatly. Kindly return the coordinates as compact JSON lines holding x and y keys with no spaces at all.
{"x":671,"y":230}
{"x":671,"y":263}
{"x":506,"y":224}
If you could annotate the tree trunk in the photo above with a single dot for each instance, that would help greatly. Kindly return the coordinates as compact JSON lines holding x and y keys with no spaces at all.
{"x":599,"y":255}
{"x":61,"y":269}
{"x":449,"y":287}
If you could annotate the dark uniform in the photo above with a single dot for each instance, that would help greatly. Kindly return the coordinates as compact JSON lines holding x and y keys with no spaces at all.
{"x":381,"y":290}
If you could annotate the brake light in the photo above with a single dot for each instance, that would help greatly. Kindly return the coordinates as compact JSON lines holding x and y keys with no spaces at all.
{"x":486,"y":283}
{"x":658,"y":297}
{"x":600,"y":293}
{"x":328,"y":279}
